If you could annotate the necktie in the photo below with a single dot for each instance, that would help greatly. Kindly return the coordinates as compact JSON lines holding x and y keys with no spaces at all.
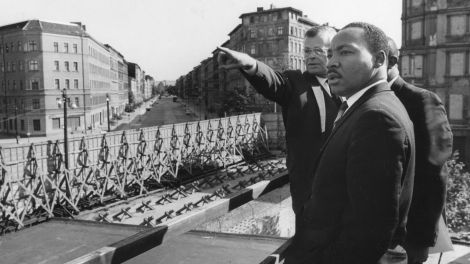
{"x":341,"y":111}
{"x":318,"y":91}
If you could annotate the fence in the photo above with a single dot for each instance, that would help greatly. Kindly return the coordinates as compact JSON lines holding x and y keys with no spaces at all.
{"x":34,"y":182}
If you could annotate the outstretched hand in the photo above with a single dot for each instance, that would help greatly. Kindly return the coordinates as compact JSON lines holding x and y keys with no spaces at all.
{"x":230,"y":59}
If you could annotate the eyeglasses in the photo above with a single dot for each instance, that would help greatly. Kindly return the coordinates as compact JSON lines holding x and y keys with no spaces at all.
{"x":316,"y":51}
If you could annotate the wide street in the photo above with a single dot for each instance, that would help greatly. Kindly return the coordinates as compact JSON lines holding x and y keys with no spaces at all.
{"x":162,"y":112}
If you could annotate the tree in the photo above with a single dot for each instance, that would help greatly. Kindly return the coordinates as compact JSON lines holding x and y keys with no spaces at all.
{"x":234,"y":101}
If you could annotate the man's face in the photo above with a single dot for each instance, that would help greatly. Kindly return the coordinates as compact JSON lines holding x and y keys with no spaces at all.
{"x":315,"y":51}
{"x":351,"y":64}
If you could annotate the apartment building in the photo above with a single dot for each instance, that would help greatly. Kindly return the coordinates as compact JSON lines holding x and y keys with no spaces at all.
{"x":435,"y":55}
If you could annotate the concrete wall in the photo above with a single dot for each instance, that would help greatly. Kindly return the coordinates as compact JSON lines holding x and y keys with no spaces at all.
{"x":275,"y":130}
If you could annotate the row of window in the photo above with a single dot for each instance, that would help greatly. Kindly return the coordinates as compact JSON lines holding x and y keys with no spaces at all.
{"x":18,"y":84}
{"x":296,"y":63}
{"x":295,"y":47}
{"x":65,"y":47}
{"x":274,"y":16}
{"x":66,"y":83}
{"x":272,"y":31}
{"x":18,"y":46}
{"x":66,"y":66}
{"x":76,"y":100}
{"x":457,"y":25}
{"x":13,"y":125}
{"x":458,"y":64}
{"x":95,"y":69}
{"x":98,"y":55}
{"x":13,"y":66}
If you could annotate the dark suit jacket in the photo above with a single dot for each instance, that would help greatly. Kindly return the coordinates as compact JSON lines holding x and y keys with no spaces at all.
{"x":433,"y":147}
{"x":363,"y":184}
{"x":293,"y":91}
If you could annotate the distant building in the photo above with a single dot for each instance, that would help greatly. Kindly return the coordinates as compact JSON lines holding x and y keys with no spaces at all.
{"x":274,"y":36}
{"x":135,"y":82}
{"x":435,"y":54}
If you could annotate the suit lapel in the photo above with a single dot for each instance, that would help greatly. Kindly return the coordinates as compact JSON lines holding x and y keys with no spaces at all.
{"x":376,"y":89}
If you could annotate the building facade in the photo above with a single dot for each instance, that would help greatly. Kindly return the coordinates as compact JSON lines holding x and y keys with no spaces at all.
{"x":274,"y":36}
{"x":40,"y":59}
{"x":435,"y":55}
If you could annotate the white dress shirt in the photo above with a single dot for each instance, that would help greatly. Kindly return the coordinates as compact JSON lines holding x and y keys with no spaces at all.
{"x":317,"y":90}
{"x":353,"y":98}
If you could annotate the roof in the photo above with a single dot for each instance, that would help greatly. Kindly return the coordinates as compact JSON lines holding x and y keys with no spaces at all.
{"x":272,"y":10}
{"x":307,"y":21}
{"x":235,"y":29}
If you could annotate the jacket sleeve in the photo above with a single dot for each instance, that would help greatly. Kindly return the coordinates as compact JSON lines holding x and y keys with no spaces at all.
{"x":380,"y":162}
{"x":430,"y":184}
{"x":271,"y":84}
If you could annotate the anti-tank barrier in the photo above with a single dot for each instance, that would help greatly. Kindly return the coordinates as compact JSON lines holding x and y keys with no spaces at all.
{"x":35,"y":184}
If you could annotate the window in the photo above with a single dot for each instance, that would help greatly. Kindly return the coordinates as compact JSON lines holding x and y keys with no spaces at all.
{"x":66,"y":47}
{"x":270,"y":31}
{"x":67,"y":84}
{"x":7,"y":49}
{"x":279,"y":30}
{"x":22,"y":124}
{"x":56,"y":47}
{"x":34,"y":85}
{"x":55,"y":123}
{"x":1,"y":49}
{"x":11,"y":123}
{"x":75,"y":66}
{"x":457,"y":25}
{"x":14,"y":85}
{"x":416,"y":30}
{"x":75,"y":48}
{"x":75,"y":84}
{"x":36,"y":104}
{"x":252,"y":19}
{"x":32,"y":45}
{"x":56,"y":66}
{"x":33,"y":65}
{"x":77,"y":101}
{"x":20,"y":46}
{"x":456,"y":106}
{"x":37,"y":125}
{"x":58,"y":101}
{"x":416,"y":3}
{"x":456,"y":63}
{"x":21,"y":84}
{"x":253,"y":33}
{"x":8,"y":67}
{"x":416,"y":66}
{"x":405,"y":69}
{"x":66,"y":65}
{"x":21,"y":66}
{"x":2,"y":68}
{"x":253,"y":49}
{"x":292,"y":30}
{"x":57,"y":84}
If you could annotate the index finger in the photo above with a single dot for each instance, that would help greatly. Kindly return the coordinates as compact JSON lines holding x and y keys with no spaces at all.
{"x":226,"y":50}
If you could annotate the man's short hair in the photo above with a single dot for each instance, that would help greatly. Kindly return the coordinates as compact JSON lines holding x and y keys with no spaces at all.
{"x":314,"y":31}
{"x":375,"y":37}
{"x":393,"y":48}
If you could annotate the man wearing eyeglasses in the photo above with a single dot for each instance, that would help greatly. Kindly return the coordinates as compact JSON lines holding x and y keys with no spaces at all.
{"x":308,"y":106}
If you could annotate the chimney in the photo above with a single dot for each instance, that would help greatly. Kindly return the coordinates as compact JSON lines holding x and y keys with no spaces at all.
{"x":259,"y":9}
{"x":80,"y":25}
{"x":272,"y":6}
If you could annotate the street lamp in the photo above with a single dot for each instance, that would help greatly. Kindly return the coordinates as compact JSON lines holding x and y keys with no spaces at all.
{"x":107,"y":109}
{"x":64,"y":102}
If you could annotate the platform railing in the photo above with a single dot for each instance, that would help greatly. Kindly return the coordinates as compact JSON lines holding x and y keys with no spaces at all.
{"x":35,"y":184}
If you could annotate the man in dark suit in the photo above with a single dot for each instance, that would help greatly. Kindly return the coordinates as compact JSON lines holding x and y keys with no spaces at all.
{"x":363,"y":181}
{"x":433,"y":148}
{"x":308,"y":107}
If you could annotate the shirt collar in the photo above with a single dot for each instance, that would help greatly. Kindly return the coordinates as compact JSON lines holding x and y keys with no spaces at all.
{"x":392,"y":81}
{"x":353,"y":98}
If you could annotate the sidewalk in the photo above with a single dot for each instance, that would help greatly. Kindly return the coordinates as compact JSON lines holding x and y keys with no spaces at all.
{"x":128,"y":118}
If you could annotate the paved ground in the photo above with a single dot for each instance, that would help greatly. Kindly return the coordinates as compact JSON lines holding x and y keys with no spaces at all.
{"x":201,"y":247}
{"x":163,"y":112}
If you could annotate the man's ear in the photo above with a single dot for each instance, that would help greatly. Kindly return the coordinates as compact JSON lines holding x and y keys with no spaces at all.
{"x":392,"y":61}
{"x":380,"y":59}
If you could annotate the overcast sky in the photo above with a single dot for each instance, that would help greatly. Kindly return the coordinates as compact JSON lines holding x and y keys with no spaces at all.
{"x":168,"y":38}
